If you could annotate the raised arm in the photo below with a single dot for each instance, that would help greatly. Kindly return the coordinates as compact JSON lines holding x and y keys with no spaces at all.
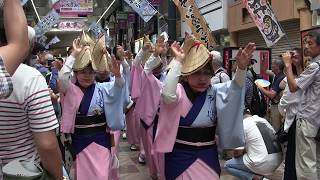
{"x":243,"y":59}
{"x":155,"y":60}
{"x":66,"y":70}
{"x":293,"y":87}
{"x":15,"y":25}
{"x":170,"y":84}
{"x":143,"y":54}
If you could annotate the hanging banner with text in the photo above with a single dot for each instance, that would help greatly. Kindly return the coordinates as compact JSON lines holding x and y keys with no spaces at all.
{"x":46,"y":23}
{"x":264,"y":18}
{"x":53,"y":41}
{"x":42,"y":40}
{"x":96,"y":30}
{"x":191,"y":14}
{"x":143,"y":7}
{"x":74,"y":8}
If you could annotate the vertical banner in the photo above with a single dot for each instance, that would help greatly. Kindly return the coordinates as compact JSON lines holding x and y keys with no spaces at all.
{"x":53,"y":41}
{"x":96,"y":30}
{"x":191,"y":14}
{"x":42,"y":40}
{"x":143,"y":7}
{"x":264,"y":18}
{"x":46,"y":23}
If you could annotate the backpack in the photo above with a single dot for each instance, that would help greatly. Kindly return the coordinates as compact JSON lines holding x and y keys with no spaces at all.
{"x":258,"y":105}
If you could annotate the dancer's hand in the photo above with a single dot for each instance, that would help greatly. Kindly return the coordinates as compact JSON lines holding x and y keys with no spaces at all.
{"x":178,"y":51}
{"x":244,"y":56}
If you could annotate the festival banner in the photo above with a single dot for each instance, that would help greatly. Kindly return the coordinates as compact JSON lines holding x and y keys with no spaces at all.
{"x":143,"y":7}
{"x":264,"y":18}
{"x":53,"y":41}
{"x":42,"y":40}
{"x":46,"y":23}
{"x":200,"y":29}
{"x":96,"y":30}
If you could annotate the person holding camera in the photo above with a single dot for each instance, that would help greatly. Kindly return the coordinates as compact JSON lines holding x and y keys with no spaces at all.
{"x":288,"y":107}
{"x":308,"y":114}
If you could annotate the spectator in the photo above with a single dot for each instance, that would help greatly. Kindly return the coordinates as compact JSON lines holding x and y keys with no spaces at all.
{"x":308,"y":115}
{"x":275,"y":93}
{"x":27,"y":119}
{"x":13,"y":39}
{"x":288,"y":107}
{"x":42,"y":62}
{"x":261,"y":155}
{"x":56,"y":66}
{"x":249,"y":85}
{"x":220,"y":74}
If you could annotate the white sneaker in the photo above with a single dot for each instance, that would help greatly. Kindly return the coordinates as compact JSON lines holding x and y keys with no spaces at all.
{"x":124,"y":135}
{"x":142,"y":159}
{"x":133,"y":147}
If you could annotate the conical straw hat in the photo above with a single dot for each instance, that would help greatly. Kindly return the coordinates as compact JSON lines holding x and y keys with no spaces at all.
{"x":91,"y":54}
{"x":197,"y":56}
{"x":99,"y":60}
{"x":84,"y":58}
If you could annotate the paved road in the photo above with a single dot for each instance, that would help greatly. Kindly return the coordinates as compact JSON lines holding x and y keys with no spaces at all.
{"x":131,"y":169}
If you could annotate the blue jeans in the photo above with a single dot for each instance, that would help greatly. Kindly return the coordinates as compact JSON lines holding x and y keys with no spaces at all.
{"x":236,"y":167}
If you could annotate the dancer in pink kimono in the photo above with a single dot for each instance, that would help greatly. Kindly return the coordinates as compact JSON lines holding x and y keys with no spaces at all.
{"x":91,"y":110}
{"x":146,"y":89}
{"x":190,"y":109}
{"x":132,"y":121}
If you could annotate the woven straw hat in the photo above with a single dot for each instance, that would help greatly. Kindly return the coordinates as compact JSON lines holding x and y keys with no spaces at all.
{"x":91,"y":54}
{"x":197,"y":56}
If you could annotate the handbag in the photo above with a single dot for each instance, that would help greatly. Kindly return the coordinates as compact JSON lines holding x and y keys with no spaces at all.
{"x":22,"y":169}
{"x":281,"y":135}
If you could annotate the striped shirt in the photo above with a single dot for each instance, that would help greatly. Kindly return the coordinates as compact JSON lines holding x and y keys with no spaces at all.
{"x":6,"y":86}
{"x":28,"y":109}
{"x":309,"y":82}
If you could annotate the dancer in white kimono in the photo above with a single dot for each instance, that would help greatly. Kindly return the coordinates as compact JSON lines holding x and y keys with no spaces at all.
{"x":90,"y":109}
{"x":190,"y":110}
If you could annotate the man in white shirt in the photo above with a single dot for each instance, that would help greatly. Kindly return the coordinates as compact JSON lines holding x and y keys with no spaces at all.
{"x":261,"y":155}
{"x":308,"y":114}
{"x":220,"y":75}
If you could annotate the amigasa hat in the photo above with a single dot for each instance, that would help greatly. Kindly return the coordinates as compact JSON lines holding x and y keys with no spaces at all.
{"x":197,"y":56}
{"x":91,"y":54}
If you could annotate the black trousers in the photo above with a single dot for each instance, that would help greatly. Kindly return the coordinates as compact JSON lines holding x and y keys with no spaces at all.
{"x":290,"y":163}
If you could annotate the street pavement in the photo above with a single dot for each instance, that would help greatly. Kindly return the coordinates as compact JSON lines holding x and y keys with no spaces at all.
{"x":130,"y":168}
